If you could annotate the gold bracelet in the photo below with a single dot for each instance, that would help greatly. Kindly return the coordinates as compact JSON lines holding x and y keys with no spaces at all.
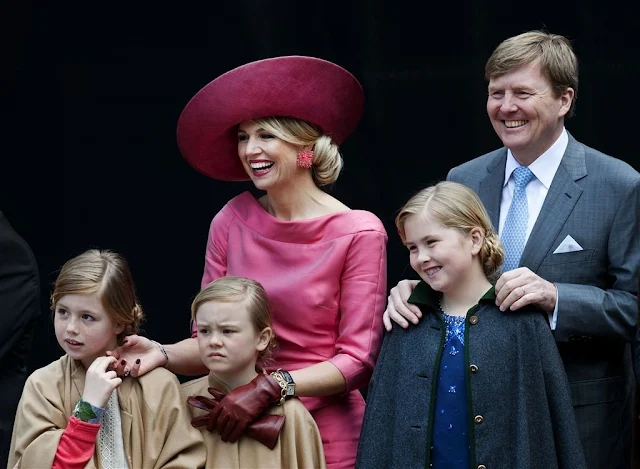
{"x":283,"y":385}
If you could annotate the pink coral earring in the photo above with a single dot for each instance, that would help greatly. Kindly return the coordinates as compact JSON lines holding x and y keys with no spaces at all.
{"x":305,"y":159}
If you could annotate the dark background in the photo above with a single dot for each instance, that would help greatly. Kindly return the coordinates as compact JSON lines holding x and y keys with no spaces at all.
{"x":91,"y":95}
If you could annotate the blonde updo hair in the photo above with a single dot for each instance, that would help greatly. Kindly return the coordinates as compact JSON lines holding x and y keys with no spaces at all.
{"x":327,"y":161}
{"x":456,"y":206}
{"x":246,"y":292}
{"x":106,"y":274}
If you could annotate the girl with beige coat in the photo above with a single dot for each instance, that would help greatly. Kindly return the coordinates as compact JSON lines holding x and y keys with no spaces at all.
{"x":76,"y":412}
{"x":234,"y":333}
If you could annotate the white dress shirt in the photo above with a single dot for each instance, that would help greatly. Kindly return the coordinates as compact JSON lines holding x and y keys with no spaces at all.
{"x":544,"y":169}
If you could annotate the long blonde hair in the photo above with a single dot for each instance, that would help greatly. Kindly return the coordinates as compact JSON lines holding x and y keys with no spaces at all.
{"x":456,"y":206}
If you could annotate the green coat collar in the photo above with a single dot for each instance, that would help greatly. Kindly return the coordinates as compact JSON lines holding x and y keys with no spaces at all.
{"x":429,"y":299}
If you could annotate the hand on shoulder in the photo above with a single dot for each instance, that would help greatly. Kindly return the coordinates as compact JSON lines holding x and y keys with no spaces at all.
{"x":398,"y":310}
{"x":137,"y":355}
{"x":521,"y":287}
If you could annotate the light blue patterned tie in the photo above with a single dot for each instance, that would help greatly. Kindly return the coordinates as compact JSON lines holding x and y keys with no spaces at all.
{"x":515,"y":226}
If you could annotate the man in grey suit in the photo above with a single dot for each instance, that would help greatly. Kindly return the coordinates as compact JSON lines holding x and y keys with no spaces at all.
{"x":580,"y":236}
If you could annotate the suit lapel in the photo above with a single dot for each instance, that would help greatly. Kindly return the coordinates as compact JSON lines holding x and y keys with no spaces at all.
{"x":490,"y":189}
{"x":558,"y":205}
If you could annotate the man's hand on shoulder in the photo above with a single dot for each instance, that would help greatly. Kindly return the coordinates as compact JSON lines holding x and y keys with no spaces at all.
{"x":398,"y":309}
{"x":520,"y":287}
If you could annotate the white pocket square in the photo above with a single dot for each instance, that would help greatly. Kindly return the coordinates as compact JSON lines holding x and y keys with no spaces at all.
{"x":568,"y":245}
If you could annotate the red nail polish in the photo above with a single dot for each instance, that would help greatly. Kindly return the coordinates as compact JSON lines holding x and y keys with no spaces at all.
{"x":138,"y":361}
{"x":123,"y":362}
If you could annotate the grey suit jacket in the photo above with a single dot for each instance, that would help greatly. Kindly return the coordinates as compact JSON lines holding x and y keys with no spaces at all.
{"x":596,"y":199}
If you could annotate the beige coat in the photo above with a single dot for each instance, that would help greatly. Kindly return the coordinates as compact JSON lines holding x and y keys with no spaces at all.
{"x":156,"y":427}
{"x":299,"y":445}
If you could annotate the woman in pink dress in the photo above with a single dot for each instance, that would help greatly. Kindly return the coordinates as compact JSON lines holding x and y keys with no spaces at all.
{"x":278,"y":122}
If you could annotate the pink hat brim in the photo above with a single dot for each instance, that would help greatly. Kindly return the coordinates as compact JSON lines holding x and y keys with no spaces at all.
{"x":306,"y":88}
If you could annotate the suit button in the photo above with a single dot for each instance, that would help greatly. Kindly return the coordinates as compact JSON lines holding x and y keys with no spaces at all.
{"x":482,"y":466}
{"x":473,"y":319}
{"x":473,"y":368}
{"x":478,"y":419}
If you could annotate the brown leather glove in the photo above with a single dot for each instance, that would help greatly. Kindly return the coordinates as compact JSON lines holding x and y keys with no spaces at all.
{"x":243,"y":405}
{"x":265,"y":429}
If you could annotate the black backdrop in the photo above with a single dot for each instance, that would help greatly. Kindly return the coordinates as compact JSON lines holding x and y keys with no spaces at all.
{"x":91,"y":95}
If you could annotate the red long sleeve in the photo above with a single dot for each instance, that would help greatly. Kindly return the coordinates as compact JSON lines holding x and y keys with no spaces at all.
{"x":77,"y":445}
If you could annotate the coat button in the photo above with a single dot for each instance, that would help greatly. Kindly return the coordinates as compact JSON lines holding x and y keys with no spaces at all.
{"x":478,"y":419}
{"x":482,"y":466}
{"x":473,"y":319}
{"x":473,"y":368}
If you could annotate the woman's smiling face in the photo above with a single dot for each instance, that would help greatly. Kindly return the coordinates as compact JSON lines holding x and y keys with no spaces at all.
{"x":268,"y":160}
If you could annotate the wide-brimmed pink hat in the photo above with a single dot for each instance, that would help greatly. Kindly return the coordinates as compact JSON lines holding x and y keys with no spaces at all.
{"x":306,"y":88}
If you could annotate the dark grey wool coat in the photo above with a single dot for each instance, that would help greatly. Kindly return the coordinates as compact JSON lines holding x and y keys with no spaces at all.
{"x":520,"y":412}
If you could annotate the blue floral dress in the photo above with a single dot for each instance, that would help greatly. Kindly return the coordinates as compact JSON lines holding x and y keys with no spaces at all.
{"x":450,"y":443}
